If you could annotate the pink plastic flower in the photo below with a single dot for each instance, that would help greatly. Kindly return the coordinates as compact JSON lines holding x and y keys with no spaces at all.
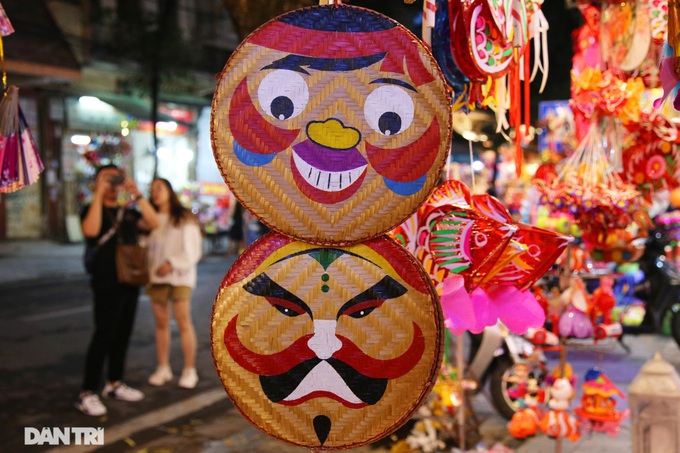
{"x":656,"y":167}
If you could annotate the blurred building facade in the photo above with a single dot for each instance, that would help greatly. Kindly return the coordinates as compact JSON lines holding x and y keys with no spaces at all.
{"x":89,"y":74}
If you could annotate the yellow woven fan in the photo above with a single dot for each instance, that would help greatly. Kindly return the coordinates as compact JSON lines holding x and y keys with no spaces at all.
{"x":331,"y":124}
{"x":327,"y":347}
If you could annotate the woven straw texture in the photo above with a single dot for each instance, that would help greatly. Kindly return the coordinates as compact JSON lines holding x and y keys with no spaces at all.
{"x":387,"y":354}
{"x":331,"y":124}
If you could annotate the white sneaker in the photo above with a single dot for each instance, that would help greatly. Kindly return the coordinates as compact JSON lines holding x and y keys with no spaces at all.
{"x":122,"y":392}
{"x":90,"y":404}
{"x":162,"y":375}
{"x":189,"y":378}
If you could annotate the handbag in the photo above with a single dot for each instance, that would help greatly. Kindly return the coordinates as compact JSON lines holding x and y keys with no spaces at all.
{"x":132,"y":264}
{"x":91,"y":251}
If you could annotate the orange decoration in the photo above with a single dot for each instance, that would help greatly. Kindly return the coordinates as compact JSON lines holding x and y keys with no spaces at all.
{"x":675,"y":197}
{"x":524,"y":423}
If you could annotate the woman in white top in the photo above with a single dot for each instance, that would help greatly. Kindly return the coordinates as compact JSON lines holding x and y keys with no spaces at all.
{"x":174,"y":251}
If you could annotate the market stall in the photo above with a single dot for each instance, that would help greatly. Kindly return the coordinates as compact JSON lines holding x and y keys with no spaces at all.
{"x":537,"y":238}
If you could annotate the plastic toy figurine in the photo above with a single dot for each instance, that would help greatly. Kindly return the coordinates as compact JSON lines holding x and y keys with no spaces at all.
{"x":603,"y":301}
{"x":523,"y":424}
{"x":519,"y":380}
{"x":525,"y":421}
{"x":558,"y":422}
{"x":574,"y":322}
{"x":598,"y":406}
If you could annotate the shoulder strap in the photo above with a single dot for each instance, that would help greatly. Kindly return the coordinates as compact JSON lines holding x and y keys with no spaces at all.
{"x":111,"y":231}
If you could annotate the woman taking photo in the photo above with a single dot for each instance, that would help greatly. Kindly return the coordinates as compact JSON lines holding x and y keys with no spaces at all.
{"x":174,"y":251}
{"x":105,"y":222}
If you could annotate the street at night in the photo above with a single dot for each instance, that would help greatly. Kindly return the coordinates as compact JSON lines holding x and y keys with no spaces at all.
{"x":46,"y":321}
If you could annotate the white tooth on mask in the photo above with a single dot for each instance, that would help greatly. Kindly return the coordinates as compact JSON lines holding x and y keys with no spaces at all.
{"x":323,"y":378}
{"x":328,"y":181}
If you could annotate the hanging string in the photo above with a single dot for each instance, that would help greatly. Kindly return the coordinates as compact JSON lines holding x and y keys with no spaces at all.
{"x":429,"y":9}
{"x":527,"y":91}
{"x":539,"y":32}
{"x":460,"y":367}
{"x":472,"y":167}
{"x":449,"y":168}
{"x":2,"y":67}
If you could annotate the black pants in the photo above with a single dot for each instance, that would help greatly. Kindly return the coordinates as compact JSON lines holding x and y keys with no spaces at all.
{"x":114,"y":315}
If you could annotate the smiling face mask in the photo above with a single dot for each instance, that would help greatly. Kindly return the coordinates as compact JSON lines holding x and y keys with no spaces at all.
{"x":331,"y":124}
{"x":329,"y":347}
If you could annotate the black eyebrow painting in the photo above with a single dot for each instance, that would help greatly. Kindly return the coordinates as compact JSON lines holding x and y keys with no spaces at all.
{"x":387,"y":288}
{"x":264,"y":286}
{"x":401,"y":83}
{"x":299,"y":62}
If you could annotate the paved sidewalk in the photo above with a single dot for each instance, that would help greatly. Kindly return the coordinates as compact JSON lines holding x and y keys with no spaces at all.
{"x":36,"y":259}
{"x":24,"y":261}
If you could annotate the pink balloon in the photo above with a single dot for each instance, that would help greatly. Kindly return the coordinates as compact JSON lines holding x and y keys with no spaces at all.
{"x":481,"y":304}
{"x":457,"y":306}
{"x":518,"y":310}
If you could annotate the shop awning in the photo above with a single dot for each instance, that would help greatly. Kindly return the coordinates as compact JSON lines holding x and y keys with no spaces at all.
{"x":37,"y":48}
{"x":135,"y":106}
{"x":138,"y":107}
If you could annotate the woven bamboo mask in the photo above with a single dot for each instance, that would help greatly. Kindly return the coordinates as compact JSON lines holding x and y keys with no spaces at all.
{"x":331,"y":124}
{"x":327,"y":347}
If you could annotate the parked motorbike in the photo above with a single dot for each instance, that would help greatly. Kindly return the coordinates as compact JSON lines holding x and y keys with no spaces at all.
{"x":492,"y":355}
{"x":658,"y":285}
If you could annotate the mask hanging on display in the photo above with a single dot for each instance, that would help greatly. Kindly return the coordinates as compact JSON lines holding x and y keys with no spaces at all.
{"x":327,"y":347}
{"x":331,"y":124}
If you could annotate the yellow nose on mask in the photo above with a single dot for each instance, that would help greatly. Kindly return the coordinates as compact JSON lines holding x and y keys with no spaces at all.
{"x":333,"y":134}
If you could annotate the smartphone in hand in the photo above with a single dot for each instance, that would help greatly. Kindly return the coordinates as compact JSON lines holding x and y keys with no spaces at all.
{"x":116,"y":180}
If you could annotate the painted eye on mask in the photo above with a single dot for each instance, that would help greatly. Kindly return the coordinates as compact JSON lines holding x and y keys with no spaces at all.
{"x":363,"y":309}
{"x":389,"y":110}
{"x":283,"y":94}
{"x":286,"y":307}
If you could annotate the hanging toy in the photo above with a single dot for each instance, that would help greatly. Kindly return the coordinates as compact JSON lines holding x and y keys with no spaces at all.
{"x":558,"y":422}
{"x":575,"y":322}
{"x":485,"y":28}
{"x":598,"y":405}
{"x":481,"y":267}
{"x":524,"y":423}
{"x":20,"y":163}
{"x":458,"y":247}
{"x":6,"y":27}
{"x":603,"y":301}
{"x":526,"y":392}
{"x":652,"y":160}
{"x":543,"y":246}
